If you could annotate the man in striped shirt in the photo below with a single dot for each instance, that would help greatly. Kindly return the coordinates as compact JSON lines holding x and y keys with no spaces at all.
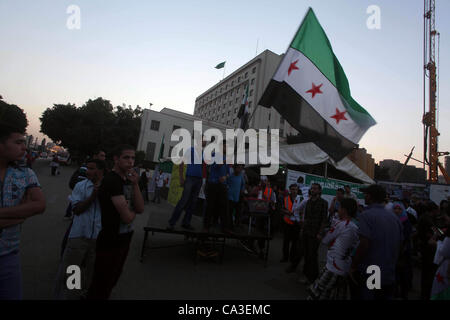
{"x":341,"y":239}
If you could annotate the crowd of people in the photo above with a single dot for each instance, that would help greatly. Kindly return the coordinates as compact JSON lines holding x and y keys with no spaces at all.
{"x":376,"y":244}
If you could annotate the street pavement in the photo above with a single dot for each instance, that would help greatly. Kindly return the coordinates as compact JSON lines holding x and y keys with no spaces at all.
{"x":166,"y":273}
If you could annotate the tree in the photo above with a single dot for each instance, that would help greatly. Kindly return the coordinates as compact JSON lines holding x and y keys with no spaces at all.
{"x":95,"y":124}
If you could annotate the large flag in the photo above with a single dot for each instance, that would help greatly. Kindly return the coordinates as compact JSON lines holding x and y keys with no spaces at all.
{"x":243,"y":110}
{"x":220,"y":65}
{"x":311,"y":91}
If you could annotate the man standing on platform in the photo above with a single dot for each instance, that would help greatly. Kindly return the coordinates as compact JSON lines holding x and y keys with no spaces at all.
{"x":191,"y":188}
{"x":236,"y":186}
{"x":217,"y":194}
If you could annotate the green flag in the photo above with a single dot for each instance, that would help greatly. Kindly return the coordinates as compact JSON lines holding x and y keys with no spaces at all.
{"x":220,"y":65}
{"x":311,"y":91}
{"x":161,"y":150}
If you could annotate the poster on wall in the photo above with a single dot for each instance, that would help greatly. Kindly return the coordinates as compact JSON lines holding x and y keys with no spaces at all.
{"x":439,"y":192}
{"x":329,"y":186}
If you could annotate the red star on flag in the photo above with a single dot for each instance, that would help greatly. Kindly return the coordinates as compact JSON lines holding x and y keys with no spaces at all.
{"x":292,"y":67}
{"x":315,"y":89}
{"x":439,"y":278}
{"x":339,"y":116}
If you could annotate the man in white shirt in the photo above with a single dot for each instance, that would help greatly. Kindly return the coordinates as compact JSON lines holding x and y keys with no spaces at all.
{"x":159,"y":185}
{"x":349,"y":193}
{"x":341,"y":239}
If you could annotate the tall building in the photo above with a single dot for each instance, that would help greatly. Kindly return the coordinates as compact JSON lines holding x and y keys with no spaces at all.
{"x":364,"y":161}
{"x":156,"y":125}
{"x":410,"y":174}
{"x":222,"y":101}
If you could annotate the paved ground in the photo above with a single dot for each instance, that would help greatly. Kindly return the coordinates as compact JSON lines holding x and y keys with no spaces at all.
{"x":165,"y":273}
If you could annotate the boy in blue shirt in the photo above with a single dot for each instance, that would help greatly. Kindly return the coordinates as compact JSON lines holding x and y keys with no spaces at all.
{"x":20,"y":198}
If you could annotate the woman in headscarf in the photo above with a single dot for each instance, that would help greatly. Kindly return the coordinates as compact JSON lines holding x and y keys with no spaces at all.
{"x":441,"y":283}
{"x":404,"y":270}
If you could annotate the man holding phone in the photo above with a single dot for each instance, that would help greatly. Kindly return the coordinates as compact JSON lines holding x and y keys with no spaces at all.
{"x":120,"y":200}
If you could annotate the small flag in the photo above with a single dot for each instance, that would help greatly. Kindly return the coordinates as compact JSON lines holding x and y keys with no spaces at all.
{"x":220,"y":65}
{"x":243,"y":110}
{"x":311,"y":91}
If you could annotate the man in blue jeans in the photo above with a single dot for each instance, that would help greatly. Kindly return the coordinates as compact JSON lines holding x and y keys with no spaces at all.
{"x":20,"y":198}
{"x":192,"y":185}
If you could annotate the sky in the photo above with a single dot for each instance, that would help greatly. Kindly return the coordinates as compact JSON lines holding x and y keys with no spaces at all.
{"x":164,"y":53}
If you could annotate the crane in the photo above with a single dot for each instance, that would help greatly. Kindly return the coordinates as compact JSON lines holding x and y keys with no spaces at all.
{"x":431,"y":132}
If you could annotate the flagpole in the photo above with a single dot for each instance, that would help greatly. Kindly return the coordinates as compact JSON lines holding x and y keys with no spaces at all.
{"x":223,"y":76}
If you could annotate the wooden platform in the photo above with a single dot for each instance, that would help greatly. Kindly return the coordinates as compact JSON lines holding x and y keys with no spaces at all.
{"x":158,"y":223}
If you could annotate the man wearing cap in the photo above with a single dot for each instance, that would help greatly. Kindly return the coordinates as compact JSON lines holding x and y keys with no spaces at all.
{"x":380,"y":238}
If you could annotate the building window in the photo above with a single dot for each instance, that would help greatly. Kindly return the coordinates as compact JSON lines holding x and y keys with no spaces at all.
{"x":253,"y":81}
{"x":230,"y":103}
{"x":235,"y":110}
{"x":154,"y":125}
{"x":246,"y":75}
{"x":251,"y":93}
{"x":254,"y":70}
{"x":232,"y":83}
{"x":250,"y":104}
{"x":270,"y":116}
{"x":239,"y":79}
{"x":150,"y":154}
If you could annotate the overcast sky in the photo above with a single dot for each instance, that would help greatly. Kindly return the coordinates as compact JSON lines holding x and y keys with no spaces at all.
{"x":164,"y":52}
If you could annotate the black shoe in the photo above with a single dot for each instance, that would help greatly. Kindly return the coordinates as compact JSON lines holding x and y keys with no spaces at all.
{"x":170,"y":228}
{"x":188,"y":227}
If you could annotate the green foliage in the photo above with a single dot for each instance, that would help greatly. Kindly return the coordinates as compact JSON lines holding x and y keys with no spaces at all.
{"x":96,"y":124}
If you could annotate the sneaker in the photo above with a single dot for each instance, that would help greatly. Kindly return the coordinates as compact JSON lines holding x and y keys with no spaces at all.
{"x":188,"y":227}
